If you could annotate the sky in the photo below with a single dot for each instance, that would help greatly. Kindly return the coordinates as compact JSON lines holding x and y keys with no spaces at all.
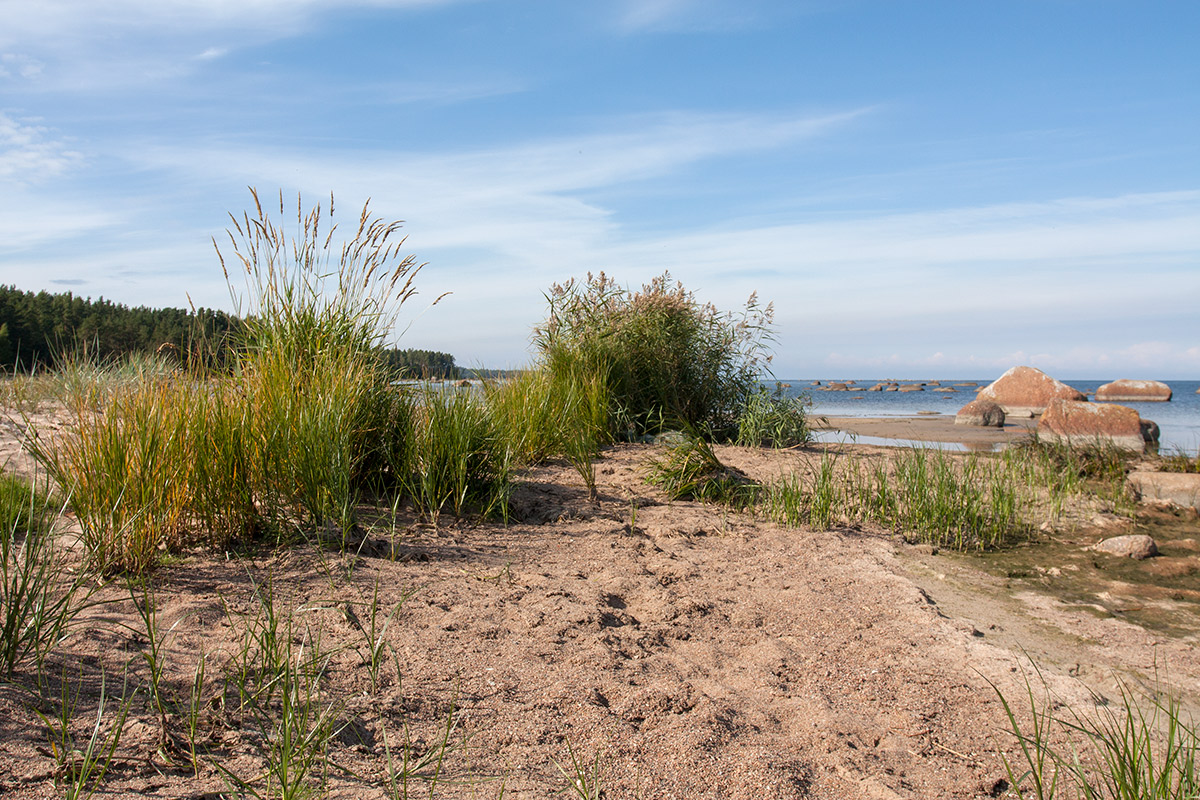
{"x":923,"y":188}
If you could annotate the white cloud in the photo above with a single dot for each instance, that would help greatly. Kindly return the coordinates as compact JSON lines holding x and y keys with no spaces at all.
{"x":29,"y":154}
{"x":44,"y":21}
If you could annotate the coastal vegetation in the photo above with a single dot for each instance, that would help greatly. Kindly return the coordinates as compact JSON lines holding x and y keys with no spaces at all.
{"x":298,"y":438}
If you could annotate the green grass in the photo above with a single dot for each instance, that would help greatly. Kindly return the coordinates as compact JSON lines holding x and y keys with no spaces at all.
{"x":769,"y":419}
{"x":39,"y":596}
{"x":1141,"y":748}
{"x":692,"y":471}
{"x":458,"y":461}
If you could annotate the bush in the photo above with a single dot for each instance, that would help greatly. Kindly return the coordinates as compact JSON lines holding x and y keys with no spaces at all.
{"x":667,"y":359}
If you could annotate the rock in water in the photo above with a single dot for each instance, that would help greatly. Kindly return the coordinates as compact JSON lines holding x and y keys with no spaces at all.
{"x":1027,"y":391}
{"x":1134,"y":391}
{"x":1083,"y":423}
{"x":981,"y":414}
{"x":1150,"y":432}
{"x":1136,"y":546}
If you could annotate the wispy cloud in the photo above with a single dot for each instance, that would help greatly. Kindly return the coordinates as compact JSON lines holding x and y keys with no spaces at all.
{"x":28,"y":152}
{"x":13,"y":65}
{"x":643,"y":16}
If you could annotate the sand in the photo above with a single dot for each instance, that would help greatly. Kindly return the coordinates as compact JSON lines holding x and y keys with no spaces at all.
{"x":697,"y":653}
{"x":939,"y":428}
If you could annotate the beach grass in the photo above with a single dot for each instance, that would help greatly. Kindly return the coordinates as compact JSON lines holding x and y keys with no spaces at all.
{"x":1143,"y":747}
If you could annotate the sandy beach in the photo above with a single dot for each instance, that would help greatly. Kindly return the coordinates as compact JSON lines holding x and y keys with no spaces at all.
{"x":685,"y":650}
{"x":931,"y":428}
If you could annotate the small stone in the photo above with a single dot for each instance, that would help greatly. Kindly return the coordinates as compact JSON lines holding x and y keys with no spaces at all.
{"x":1135,"y":546}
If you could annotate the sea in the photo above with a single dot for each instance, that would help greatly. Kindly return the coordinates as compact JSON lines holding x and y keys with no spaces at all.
{"x":1178,"y":419}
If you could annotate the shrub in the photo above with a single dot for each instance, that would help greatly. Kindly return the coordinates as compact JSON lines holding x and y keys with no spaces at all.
{"x":667,"y":359}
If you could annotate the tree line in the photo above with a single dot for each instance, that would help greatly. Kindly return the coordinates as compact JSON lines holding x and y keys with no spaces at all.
{"x":39,"y":329}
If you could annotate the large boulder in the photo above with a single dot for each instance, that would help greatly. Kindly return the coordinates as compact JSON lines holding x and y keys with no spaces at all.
{"x":981,"y":414}
{"x":1083,"y":423}
{"x":1026,"y":391}
{"x":1134,"y":391}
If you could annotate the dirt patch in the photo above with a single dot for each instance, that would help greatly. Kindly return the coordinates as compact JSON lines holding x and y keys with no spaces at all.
{"x":697,"y":652}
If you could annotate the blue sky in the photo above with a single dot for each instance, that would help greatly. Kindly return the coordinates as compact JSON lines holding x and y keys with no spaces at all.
{"x":923,"y":188}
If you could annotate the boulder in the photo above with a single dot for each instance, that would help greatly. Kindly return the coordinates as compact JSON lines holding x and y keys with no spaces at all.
{"x":912,"y":388}
{"x":1133,"y":545}
{"x":838,"y":387}
{"x":1083,"y":423}
{"x":1178,"y":488}
{"x":1134,"y":391}
{"x":981,"y":414}
{"x":1026,"y":391}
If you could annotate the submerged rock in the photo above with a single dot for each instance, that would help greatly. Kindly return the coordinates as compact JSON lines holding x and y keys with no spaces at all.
{"x":1082,"y":423}
{"x":1136,"y":546}
{"x":1027,"y":391}
{"x":1139,"y":391}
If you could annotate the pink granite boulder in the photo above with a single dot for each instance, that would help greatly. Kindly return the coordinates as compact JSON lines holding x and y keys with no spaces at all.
{"x":1027,"y":391}
{"x":980,"y":414}
{"x":1083,"y":423}
{"x":1134,"y":391}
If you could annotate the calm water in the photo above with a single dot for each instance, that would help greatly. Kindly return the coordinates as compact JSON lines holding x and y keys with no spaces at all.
{"x":1178,"y":419}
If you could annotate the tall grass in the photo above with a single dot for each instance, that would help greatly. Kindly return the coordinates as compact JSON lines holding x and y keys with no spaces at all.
{"x":458,"y":459}
{"x":692,"y":471}
{"x":303,"y":424}
{"x":769,"y":419}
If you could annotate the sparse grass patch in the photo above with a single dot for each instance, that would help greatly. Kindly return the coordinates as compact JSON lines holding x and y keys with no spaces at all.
{"x":1143,"y":747}
{"x":692,"y":471}
{"x":39,"y":597}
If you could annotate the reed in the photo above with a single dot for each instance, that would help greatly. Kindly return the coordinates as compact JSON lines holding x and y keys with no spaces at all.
{"x":928,"y":495}
{"x":668,"y":360}
{"x":769,"y":419}
{"x":692,"y":471}
{"x":458,"y":460}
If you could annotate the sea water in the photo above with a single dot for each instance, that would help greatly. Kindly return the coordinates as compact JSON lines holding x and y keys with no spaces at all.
{"x":1178,"y":419}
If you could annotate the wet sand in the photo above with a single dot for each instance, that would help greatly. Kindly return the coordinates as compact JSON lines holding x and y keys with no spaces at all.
{"x":939,"y":428}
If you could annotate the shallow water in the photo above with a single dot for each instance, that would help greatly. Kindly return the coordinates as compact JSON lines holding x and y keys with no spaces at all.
{"x":1161,"y":593}
{"x":1178,"y":420}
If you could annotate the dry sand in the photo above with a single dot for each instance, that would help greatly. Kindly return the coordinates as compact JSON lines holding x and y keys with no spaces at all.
{"x":697,"y":652}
